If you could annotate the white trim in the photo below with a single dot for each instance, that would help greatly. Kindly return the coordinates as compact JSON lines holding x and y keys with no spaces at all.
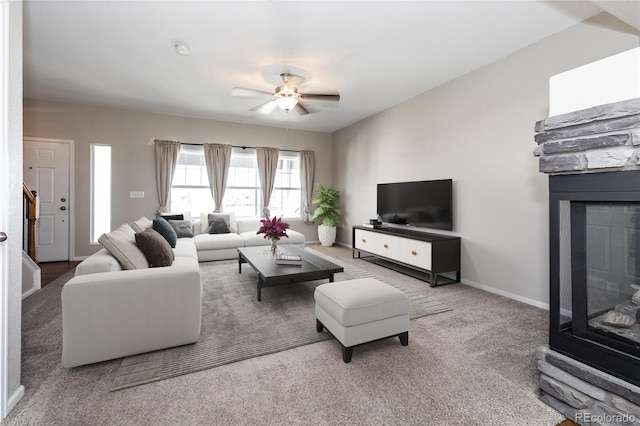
{"x":15,"y":398}
{"x":4,"y":194}
{"x":34,"y":275}
{"x":507,"y":294}
{"x":72,"y":188}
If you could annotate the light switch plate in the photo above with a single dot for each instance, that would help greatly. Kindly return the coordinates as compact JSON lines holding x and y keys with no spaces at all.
{"x":136,"y":194}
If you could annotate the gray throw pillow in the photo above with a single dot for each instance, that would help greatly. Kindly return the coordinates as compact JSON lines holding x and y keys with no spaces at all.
{"x":166,"y":230}
{"x":155,"y":248}
{"x":182,"y":228}
{"x":218,"y":217}
{"x":219,"y":227}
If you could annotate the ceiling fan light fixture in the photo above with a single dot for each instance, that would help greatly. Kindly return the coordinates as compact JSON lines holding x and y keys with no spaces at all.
{"x":286,"y":98}
{"x":286,"y":103}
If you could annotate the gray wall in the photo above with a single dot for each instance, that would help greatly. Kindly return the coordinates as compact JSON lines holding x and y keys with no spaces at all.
{"x":128,"y":132}
{"x":478,"y":130}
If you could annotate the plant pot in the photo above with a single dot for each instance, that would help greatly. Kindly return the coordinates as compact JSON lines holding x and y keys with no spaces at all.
{"x":327,"y":235}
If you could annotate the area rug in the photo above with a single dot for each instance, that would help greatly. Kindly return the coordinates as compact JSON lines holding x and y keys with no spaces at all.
{"x":235,"y":326}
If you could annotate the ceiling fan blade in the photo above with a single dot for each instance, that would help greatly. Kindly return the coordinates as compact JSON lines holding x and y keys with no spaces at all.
{"x":291,"y":79}
{"x":265,"y":108}
{"x":242,"y":91}
{"x":301,"y":109}
{"x":320,"y":96}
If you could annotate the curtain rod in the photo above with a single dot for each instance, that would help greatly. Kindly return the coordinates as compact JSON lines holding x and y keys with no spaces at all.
{"x":152,"y":140}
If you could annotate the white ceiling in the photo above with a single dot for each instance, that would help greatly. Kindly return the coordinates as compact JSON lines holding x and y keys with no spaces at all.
{"x":376,"y":54}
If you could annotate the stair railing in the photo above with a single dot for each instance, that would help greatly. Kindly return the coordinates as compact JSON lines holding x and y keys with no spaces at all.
{"x":31,"y":215}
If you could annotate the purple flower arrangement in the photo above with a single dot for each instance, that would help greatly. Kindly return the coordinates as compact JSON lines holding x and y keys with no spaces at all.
{"x":273,"y":229}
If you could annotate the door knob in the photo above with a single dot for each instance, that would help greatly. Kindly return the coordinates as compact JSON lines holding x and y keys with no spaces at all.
{"x":3,"y":237}
{"x":64,"y":200}
{"x":63,"y":208}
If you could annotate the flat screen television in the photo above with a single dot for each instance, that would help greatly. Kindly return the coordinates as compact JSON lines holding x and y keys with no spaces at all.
{"x":426,"y":204}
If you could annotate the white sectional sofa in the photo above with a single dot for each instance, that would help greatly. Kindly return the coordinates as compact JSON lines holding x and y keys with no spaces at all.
{"x":225,"y":246}
{"x":109,"y":312}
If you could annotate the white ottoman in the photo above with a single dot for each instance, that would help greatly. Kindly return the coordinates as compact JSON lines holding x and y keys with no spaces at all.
{"x":361,"y":311}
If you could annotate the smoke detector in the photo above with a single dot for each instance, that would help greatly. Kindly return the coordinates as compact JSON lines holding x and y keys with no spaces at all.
{"x":182,"y":49}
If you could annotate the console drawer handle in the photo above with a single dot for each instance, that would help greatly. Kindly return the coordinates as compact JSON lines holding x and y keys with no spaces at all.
{"x":364,"y":241}
{"x":413,"y":252}
{"x":386,"y":246}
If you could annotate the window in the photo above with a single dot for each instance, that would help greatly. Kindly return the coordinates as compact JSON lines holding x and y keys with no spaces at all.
{"x":286,"y":199}
{"x":242,"y":195}
{"x":100,"y":190}
{"x":190,"y":187}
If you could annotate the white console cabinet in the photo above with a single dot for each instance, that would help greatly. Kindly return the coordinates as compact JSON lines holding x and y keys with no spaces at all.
{"x":411,"y":251}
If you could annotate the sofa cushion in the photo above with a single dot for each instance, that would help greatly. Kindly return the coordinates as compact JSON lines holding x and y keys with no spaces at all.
{"x":249,"y":225}
{"x":161,"y":225}
{"x":252,"y":239}
{"x":141,"y":224}
{"x":102,"y":261}
{"x":121,"y":243}
{"x":185,"y":247}
{"x":218,"y":241}
{"x":182,"y":228}
{"x":155,"y":248}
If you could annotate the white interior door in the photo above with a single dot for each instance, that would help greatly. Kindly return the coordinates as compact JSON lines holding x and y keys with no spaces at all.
{"x":46,"y":170}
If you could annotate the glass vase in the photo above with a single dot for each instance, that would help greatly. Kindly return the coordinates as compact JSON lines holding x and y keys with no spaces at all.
{"x":274,"y":246}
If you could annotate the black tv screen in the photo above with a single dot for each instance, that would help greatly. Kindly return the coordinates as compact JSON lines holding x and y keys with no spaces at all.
{"x":426,"y":204}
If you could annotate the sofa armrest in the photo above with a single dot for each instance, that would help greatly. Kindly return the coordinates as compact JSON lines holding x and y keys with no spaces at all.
{"x":115,"y":314}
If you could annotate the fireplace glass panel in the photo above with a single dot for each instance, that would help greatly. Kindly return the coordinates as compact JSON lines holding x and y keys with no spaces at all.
{"x":609,"y":262}
{"x":565,"y":293}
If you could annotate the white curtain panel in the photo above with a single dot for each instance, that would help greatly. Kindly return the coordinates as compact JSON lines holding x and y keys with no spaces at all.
{"x":217,"y":158}
{"x":166,"y":159}
{"x":307,"y":177}
{"x":267,"y":167}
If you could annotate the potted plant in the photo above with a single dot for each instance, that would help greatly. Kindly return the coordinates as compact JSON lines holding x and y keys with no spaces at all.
{"x":273,"y":229}
{"x":328,"y":202}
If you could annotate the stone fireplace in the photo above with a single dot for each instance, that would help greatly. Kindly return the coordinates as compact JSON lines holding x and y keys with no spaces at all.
{"x":590,"y":371}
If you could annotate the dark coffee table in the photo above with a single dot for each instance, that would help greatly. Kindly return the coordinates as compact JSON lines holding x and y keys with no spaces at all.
{"x":269,"y":274}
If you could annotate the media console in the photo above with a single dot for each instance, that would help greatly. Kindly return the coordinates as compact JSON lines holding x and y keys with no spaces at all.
{"x":423,"y":255}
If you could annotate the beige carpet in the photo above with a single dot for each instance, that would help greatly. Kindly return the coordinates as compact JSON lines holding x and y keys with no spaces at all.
{"x":473,"y":365}
{"x":235,"y":326}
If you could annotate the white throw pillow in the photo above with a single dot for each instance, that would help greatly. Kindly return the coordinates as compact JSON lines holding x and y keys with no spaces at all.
{"x":121,"y":243}
{"x":141,"y":224}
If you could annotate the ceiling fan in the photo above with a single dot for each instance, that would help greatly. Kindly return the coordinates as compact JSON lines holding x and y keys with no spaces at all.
{"x":286,"y":96}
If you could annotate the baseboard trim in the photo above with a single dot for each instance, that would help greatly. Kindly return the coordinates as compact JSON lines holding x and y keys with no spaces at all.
{"x":507,"y":294}
{"x":29,"y":292}
{"x":79,"y":258}
{"x":15,"y":398}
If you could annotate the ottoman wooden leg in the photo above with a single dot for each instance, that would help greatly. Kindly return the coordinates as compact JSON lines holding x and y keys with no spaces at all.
{"x":404,"y":338}
{"x":319,"y":326}
{"x":347,"y":353}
